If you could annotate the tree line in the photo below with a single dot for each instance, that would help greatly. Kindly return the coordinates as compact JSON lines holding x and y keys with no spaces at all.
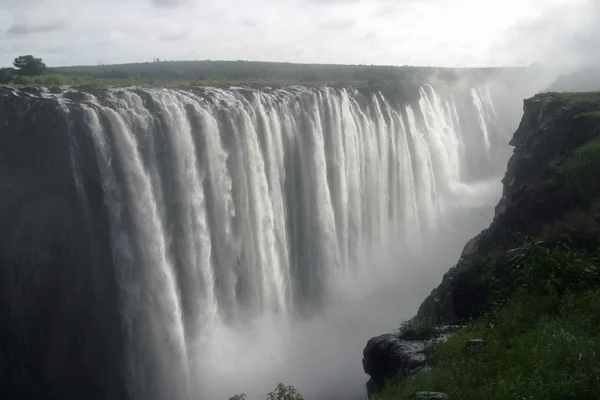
{"x":28,"y":69}
{"x":27,"y":65}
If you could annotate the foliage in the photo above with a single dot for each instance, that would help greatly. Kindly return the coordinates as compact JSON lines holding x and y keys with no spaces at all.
{"x":251,"y":70}
{"x":6,"y":75}
{"x":591,"y":114}
{"x":582,"y":168}
{"x":556,"y":270}
{"x":543,"y":342}
{"x":29,"y":65}
{"x":578,"y":222}
{"x":281,"y":392}
{"x":222,"y":73}
{"x":580,"y":97}
{"x":417,"y":329}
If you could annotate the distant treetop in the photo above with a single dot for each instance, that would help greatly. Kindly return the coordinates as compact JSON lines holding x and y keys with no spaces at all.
{"x":29,"y":65}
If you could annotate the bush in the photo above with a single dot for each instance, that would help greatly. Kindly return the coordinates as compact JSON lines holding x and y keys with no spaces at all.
{"x":537,"y":349}
{"x":281,"y":392}
{"x":582,"y":169}
{"x":555,"y":270}
{"x":543,"y":342}
{"x":576,"y":222}
{"x":417,"y":329}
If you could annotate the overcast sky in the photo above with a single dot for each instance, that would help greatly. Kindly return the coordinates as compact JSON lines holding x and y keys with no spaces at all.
{"x":397,"y":32}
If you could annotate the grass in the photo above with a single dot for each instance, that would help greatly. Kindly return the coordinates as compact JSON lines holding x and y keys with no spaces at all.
{"x":539,"y":348}
{"x":580,"y":97}
{"x":543,"y":342}
{"x":416,"y":329}
{"x":534,"y":353}
{"x":66,"y":80}
{"x":591,"y":114}
{"x":575,"y":222}
{"x":582,"y":168}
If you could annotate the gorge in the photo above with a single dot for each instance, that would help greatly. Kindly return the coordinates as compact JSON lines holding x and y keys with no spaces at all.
{"x":175,"y":243}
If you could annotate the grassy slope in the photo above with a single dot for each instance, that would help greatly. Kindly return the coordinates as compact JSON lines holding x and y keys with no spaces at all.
{"x":542,"y":333}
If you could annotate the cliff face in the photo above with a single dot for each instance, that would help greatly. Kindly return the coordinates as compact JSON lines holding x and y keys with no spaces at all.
{"x":56,"y":339}
{"x":81,"y":254}
{"x":534,"y":195}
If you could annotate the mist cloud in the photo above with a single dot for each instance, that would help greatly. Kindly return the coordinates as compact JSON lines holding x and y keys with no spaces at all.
{"x":564,"y":34}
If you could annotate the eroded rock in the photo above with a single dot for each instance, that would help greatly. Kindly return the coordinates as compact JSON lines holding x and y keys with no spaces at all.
{"x":395,"y":354}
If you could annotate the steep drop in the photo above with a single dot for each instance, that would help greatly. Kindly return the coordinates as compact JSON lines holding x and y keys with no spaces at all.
{"x":224,"y":206}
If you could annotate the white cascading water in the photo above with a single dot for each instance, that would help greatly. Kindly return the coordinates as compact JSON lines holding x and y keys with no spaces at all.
{"x":229,"y":207}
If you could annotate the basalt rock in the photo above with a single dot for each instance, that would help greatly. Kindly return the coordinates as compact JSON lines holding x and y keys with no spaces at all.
{"x":397,"y":354}
{"x":59,"y":323}
{"x":533,"y":195}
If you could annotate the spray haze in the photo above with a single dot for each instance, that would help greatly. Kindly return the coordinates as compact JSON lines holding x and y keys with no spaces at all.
{"x":280,"y":229}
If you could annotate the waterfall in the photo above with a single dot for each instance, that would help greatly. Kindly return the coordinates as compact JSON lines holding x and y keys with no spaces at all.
{"x":227,"y":205}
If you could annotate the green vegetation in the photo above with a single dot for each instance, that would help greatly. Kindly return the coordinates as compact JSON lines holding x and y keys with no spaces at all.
{"x":591,"y":114}
{"x":25,"y":67}
{"x":543,"y":341}
{"x":251,"y":73}
{"x":579,"y":97}
{"x":543,"y":307}
{"x":417,"y":329}
{"x":29,"y":65}
{"x":582,"y":168}
{"x":281,"y":392}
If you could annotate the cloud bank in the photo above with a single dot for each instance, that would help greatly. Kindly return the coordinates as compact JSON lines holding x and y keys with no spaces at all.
{"x":413,"y":32}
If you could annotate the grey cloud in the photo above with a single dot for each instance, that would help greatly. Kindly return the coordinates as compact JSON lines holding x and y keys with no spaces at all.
{"x":337,"y":25}
{"x":175,"y":36}
{"x":19,"y":28}
{"x":364,"y":1}
{"x":564,"y":36}
{"x":14,"y":4}
{"x":249,"y":23}
{"x":169,"y":3}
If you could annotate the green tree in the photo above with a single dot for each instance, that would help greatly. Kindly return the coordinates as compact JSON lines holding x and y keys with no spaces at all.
{"x":6,"y":75}
{"x":29,"y":65}
{"x":283,"y":392}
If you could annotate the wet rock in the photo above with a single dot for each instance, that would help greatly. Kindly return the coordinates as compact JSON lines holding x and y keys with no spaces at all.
{"x":388,"y":356}
{"x":395,"y":354}
{"x":533,"y":195}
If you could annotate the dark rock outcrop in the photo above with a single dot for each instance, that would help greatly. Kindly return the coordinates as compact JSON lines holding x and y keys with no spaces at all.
{"x":397,"y":354}
{"x":388,"y":356}
{"x":59,"y":323}
{"x":534,"y":194}
{"x":552,"y":126}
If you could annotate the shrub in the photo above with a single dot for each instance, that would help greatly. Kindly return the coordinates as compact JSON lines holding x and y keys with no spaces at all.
{"x":417,"y":329}
{"x":281,"y":392}
{"x":582,"y":168}
{"x":555,"y":270}
{"x":543,"y":342}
